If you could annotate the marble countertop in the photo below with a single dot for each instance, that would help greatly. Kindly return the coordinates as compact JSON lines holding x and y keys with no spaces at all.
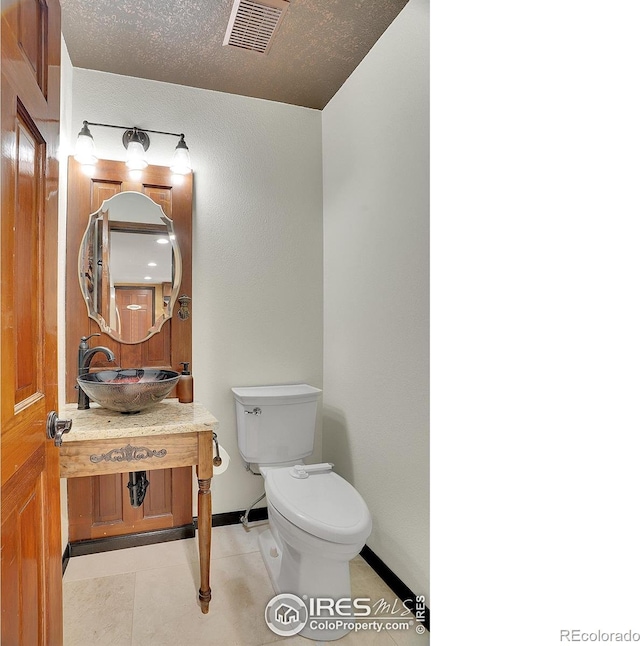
{"x":167,"y":417}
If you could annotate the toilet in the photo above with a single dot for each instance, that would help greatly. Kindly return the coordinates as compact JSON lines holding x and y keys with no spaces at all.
{"x":317,"y":521}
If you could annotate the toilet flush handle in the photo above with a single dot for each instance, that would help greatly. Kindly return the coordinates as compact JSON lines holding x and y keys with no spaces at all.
{"x":255,"y":411}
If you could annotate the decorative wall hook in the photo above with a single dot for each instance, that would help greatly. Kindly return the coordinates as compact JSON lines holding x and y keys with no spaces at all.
{"x":183,"y":312}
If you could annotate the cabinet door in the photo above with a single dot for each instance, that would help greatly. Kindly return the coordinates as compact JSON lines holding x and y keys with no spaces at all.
{"x":99,"y":506}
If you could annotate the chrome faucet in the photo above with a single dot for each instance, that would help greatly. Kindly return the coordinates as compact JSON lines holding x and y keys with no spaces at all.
{"x":85,"y":354}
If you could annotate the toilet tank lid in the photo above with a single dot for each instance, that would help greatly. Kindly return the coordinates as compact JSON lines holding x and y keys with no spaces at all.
{"x":266,"y":395}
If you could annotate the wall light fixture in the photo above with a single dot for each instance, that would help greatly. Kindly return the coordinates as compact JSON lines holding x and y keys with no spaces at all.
{"x":136,"y":141}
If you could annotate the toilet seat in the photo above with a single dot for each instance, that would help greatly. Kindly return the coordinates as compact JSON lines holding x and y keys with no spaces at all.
{"x":322,"y":504}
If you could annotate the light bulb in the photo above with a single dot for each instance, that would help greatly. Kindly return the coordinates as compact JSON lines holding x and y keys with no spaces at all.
{"x":85,"y":151}
{"x":181,"y":162}
{"x":135,"y":155}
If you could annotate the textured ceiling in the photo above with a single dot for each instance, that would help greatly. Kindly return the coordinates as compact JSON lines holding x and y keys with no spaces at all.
{"x":315,"y":50}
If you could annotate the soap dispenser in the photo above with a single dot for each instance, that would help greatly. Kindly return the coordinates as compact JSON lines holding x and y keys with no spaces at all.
{"x":185,"y":384}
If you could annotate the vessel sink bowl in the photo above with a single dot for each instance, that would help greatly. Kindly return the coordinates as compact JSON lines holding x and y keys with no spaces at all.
{"x":128,"y":391}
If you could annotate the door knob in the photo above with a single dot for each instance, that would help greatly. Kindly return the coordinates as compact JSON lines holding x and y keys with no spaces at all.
{"x":57,"y":427}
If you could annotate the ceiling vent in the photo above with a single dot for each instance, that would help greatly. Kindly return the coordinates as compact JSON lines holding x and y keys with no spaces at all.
{"x":253,"y":24}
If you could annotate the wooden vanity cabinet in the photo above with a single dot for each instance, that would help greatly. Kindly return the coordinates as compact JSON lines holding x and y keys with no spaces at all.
{"x":99,"y":506}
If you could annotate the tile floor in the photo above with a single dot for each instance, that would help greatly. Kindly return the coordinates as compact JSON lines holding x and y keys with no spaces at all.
{"x":147,"y":596}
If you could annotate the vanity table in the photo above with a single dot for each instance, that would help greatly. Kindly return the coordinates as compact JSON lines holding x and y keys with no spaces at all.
{"x":166,"y":436}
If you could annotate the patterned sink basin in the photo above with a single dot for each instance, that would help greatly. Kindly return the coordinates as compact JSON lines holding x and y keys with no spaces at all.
{"x":128,"y":391}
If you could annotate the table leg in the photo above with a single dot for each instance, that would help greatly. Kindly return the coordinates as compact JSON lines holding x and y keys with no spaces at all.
{"x":204,"y":470}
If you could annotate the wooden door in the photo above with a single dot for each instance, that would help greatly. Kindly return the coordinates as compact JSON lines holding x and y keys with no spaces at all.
{"x":99,"y":506}
{"x":136,"y":311}
{"x":29,"y":480}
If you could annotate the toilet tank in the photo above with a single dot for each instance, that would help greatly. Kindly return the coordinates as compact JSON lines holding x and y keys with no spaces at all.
{"x":275,"y":423}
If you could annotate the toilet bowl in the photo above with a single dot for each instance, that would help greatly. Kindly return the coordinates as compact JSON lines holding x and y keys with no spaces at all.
{"x":317,"y":521}
{"x":317,"y":524}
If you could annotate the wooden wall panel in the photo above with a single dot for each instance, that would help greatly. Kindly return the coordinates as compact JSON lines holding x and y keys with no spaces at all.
{"x":25,"y":515}
{"x":172,"y":344}
{"x":101,"y":191}
{"x":158,"y":501}
{"x":160,"y":195}
{"x":99,"y":506}
{"x":33,"y":38}
{"x":107,"y":499}
{"x":157,"y":348}
{"x":28,"y":305}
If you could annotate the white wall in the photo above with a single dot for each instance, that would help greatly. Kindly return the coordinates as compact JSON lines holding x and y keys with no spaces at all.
{"x":375,"y":138}
{"x":257,"y":237}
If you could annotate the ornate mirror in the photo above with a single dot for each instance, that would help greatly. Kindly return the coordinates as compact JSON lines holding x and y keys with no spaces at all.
{"x":129,"y":267}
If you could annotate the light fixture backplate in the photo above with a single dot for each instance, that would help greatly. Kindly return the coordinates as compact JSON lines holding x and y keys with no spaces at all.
{"x":128,"y":135}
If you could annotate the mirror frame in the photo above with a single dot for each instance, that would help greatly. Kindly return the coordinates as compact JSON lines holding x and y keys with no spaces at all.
{"x":176,"y":272}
